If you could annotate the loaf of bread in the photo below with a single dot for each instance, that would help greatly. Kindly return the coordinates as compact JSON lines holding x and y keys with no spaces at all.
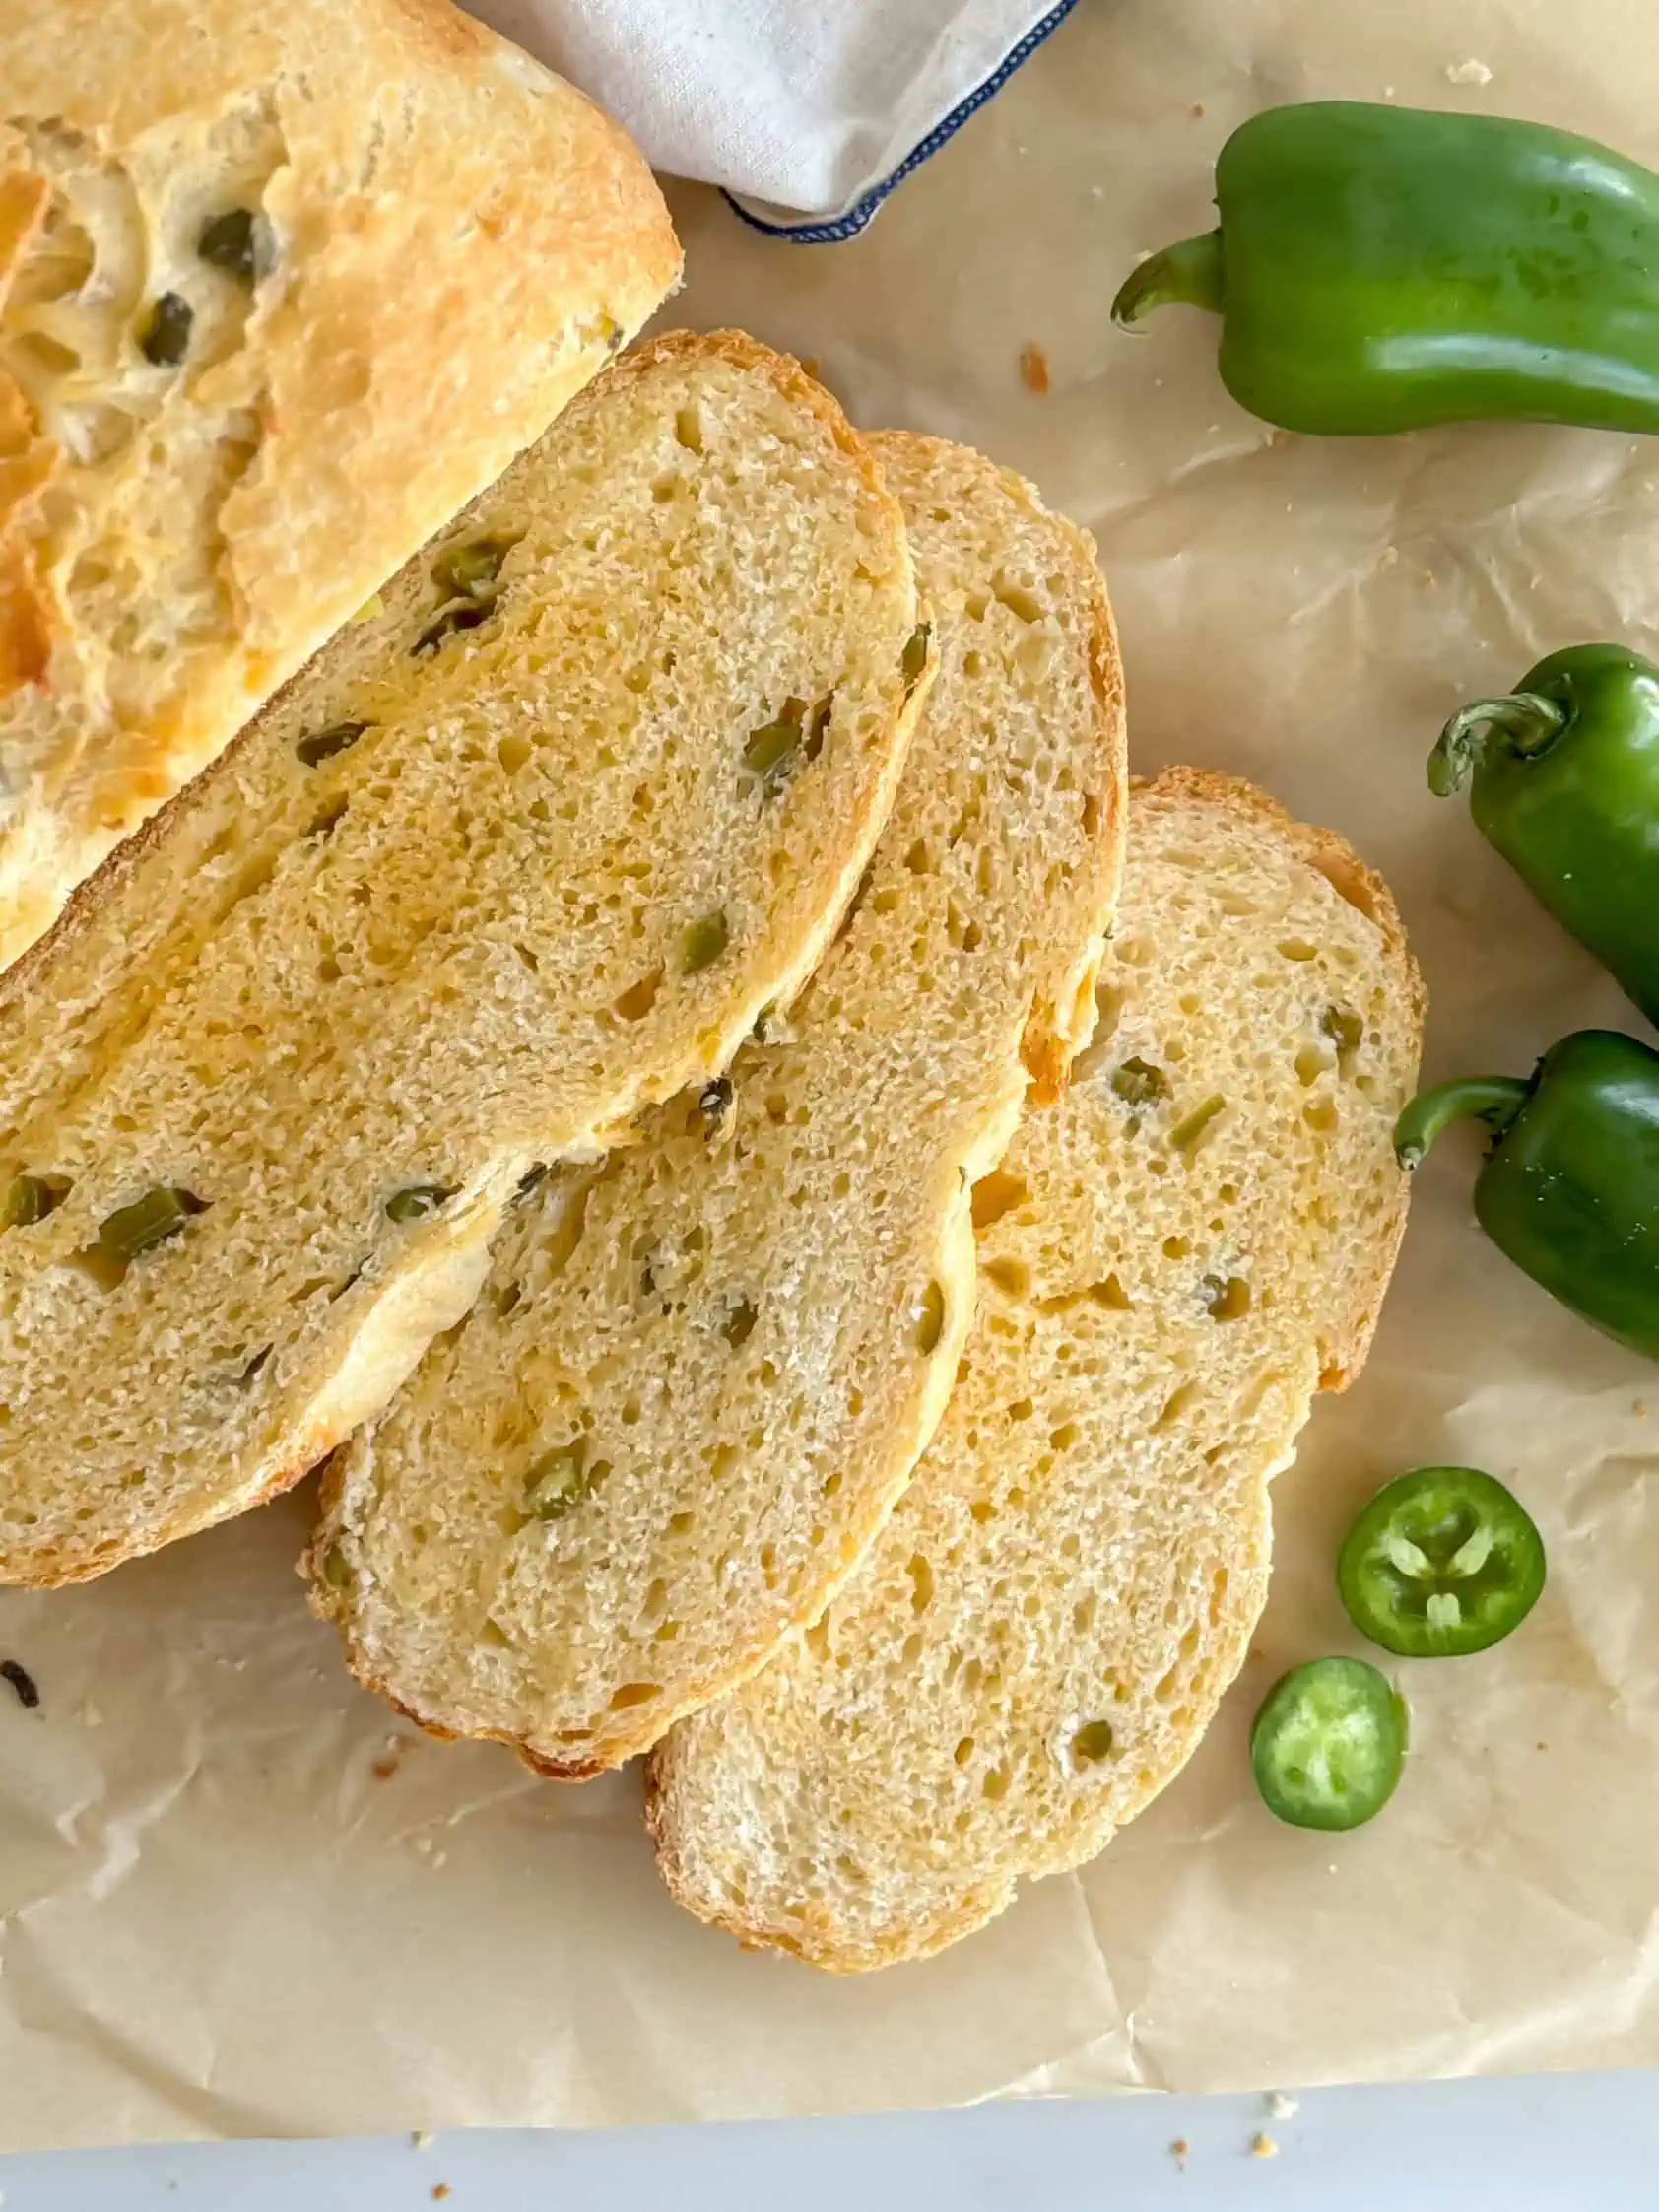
{"x":495,"y":872}
{"x":700,"y":1373}
{"x":281,"y":285}
{"x":1172,"y":1262}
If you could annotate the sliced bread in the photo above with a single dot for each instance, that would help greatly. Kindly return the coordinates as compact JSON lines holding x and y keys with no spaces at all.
{"x":496,"y":870}
{"x":280,"y":289}
{"x":700,"y":1374}
{"x":1172,"y":1262}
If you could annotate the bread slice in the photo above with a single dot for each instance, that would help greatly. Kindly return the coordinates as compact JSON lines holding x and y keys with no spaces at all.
{"x":1172,"y":1263}
{"x":492,"y":874}
{"x":280,"y":289}
{"x":700,"y":1374}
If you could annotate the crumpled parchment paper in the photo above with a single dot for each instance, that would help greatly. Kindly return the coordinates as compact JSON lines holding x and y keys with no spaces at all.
{"x":236,"y":1896}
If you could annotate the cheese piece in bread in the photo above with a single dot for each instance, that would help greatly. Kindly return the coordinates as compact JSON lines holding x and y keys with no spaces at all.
{"x":280,"y":289}
{"x":491,"y":874}
{"x":1172,"y":1262}
{"x":700,"y":1374}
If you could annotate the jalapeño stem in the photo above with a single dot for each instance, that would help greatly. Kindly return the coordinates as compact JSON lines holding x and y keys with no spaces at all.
{"x":1495,"y":1099}
{"x":1185,"y":275}
{"x":1527,"y":721}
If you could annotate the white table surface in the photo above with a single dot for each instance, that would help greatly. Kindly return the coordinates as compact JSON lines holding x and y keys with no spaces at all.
{"x":1586,"y":2142}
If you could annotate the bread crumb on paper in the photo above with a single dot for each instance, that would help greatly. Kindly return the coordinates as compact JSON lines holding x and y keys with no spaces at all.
{"x":1179,"y":2151}
{"x":422,"y":2139}
{"x":1034,"y":367}
{"x":440,"y":2190}
{"x":1468,"y":73}
{"x":1264,"y":2147}
{"x":1280,"y":2106}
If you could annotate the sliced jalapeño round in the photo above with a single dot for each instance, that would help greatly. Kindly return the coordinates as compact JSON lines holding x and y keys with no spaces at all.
{"x":1443,"y":1561}
{"x":1329,"y":1744}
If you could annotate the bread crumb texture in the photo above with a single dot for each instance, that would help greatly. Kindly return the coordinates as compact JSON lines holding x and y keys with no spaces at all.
{"x":490,"y":875}
{"x":276,"y":299}
{"x":700,"y":1373}
{"x":1171,"y":1262}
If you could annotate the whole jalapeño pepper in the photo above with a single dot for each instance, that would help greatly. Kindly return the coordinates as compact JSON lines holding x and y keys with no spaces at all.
{"x":1565,"y":784}
{"x":1570,"y":1189}
{"x":1379,"y":268}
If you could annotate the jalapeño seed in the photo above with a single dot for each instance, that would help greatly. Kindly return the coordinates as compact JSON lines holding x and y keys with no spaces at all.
{"x":167,"y":335}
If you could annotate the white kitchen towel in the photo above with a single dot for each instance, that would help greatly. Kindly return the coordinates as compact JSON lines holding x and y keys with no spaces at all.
{"x":806,"y":112}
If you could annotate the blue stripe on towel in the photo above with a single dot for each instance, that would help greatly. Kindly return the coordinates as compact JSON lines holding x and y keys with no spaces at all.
{"x":848,"y":226}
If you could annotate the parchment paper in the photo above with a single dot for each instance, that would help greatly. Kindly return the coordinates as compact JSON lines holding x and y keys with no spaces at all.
{"x":239,"y":1897}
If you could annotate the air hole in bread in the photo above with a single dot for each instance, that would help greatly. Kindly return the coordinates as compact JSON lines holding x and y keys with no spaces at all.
{"x":1175,"y":1405}
{"x":739,"y":1325}
{"x":687,"y":429}
{"x":1016,"y":597}
{"x":1311,"y":1064}
{"x":997,"y":1194}
{"x":1176,"y":1247}
{"x":634,"y":1694}
{"x":638,"y":1000}
{"x":994,"y":1788}
{"x":1225,"y":1298}
{"x":1011,"y":1276}
{"x":1298,"y":949}
{"x":1322,"y":1116}
{"x":920,"y":1572}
